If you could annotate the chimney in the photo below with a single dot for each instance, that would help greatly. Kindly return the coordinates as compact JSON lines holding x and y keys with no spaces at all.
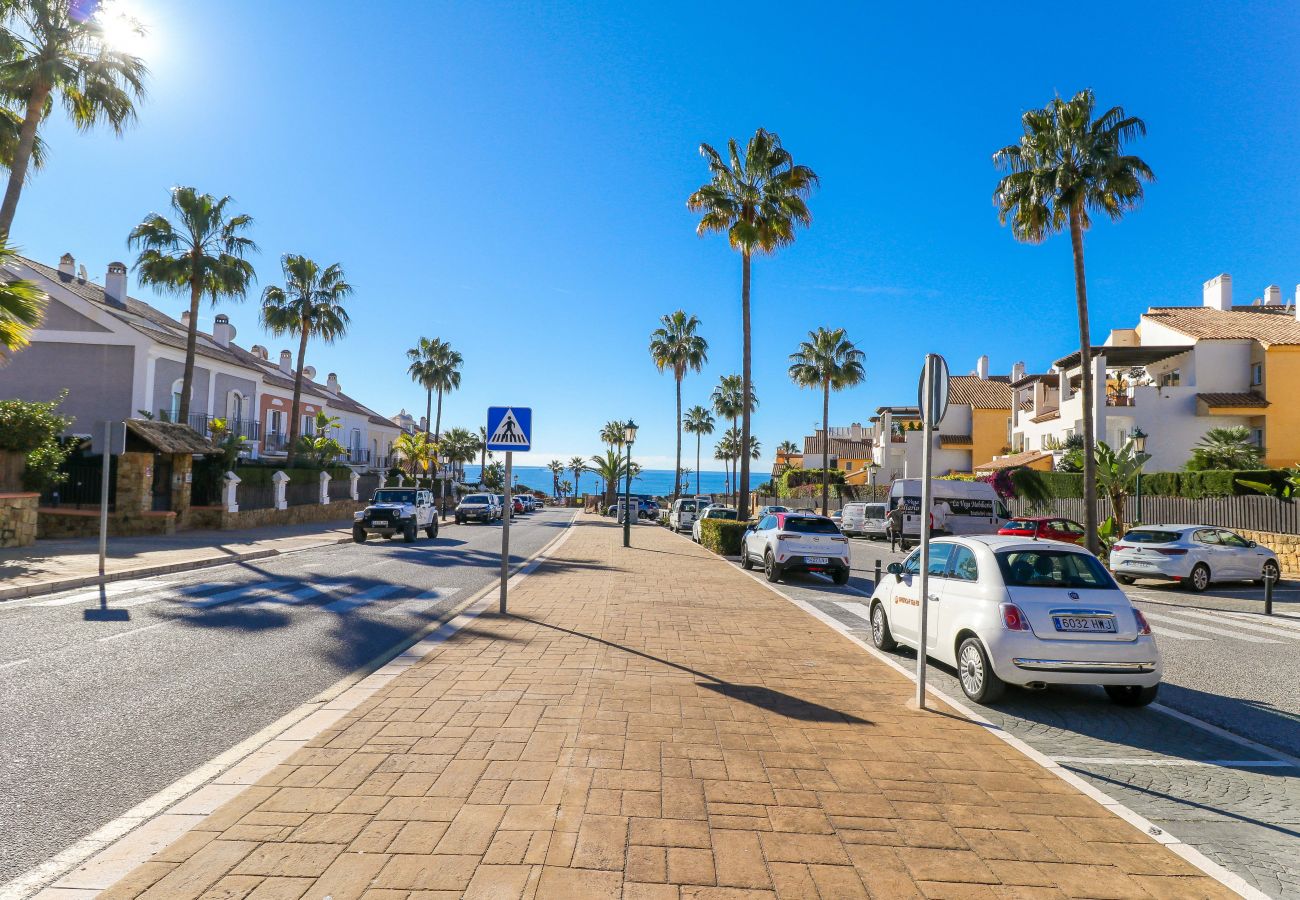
{"x":1217,"y":292}
{"x":222,"y":331}
{"x":982,"y":366}
{"x":185,"y":318}
{"x":286,"y":362}
{"x":1272,"y":295}
{"x":332,"y":382}
{"x":115,"y":284}
{"x":1017,"y":371}
{"x":67,"y":265}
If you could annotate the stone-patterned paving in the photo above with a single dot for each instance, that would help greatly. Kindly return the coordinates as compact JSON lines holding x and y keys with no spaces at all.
{"x":652,"y":723}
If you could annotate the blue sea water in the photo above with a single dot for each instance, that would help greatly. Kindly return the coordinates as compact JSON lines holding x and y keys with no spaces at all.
{"x":656,"y":482}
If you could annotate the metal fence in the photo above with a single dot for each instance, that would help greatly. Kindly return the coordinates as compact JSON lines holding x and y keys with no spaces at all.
{"x":367,"y":485}
{"x":1242,"y":513}
{"x":340,"y":489}
{"x":302,"y":493}
{"x":256,"y":496}
{"x":82,"y":486}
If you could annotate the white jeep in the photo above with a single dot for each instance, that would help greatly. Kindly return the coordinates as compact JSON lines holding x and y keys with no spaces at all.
{"x":394,"y":511}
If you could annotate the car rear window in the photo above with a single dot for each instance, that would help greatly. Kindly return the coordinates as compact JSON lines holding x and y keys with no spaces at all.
{"x":687,"y":505}
{"x":809,"y":525}
{"x":721,"y":514}
{"x":874,"y":511}
{"x":1148,"y":536}
{"x":1054,"y":569}
{"x":1022,"y":525}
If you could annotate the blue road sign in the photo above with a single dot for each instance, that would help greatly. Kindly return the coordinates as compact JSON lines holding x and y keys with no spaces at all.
{"x":509,"y":428}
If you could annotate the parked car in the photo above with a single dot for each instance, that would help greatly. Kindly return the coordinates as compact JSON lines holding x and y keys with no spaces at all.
{"x":1046,"y":528}
{"x":683,"y":513}
{"x":972,"y":507}
{"x":771,"y":510}
{"x":865,"y":520}
{"x":1194,"y":555}
{"x":477,"y":508}
{"x":648,"y":509}
{"x":796,"y":542}
{"x":394,"y":511}
{"x":517,"y":504}
{"x":716,"y":511}
{"x":838,"y":517}
{"x":1012,"y":611}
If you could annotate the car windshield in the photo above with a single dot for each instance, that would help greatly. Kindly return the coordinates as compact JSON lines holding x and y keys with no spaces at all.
{"x":1147,"y":536}
{"x":477,"y":498}
{"x":809,"y":525}
{"x":720,"y":514}
{"x":394,"y":496}
{"x":777,"y":509}
{"x":1053,"y":568}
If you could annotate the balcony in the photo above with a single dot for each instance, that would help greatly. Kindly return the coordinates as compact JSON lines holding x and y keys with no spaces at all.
{"x":200,"y":422}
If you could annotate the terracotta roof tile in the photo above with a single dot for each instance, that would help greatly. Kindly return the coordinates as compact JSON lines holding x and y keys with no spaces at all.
{"x":1268,"y":325}
{"x":980,"y":393}
{"x":1013,"y":461}
{"x":954,"y":440}
{"x":1245,"y":398}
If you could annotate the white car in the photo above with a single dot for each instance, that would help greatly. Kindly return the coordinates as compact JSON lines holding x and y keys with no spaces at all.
{"x":796,"y":542}
{"x":1006,"y":610}
{"x":865,"y":520}
{"x":1194,"y":555}
{"x":716,"y":511}
{"x":766,"y":510}
{"x":684,"y":512}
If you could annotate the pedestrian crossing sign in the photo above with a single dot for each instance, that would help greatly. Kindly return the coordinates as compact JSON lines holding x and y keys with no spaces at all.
{"x":509,"y":428}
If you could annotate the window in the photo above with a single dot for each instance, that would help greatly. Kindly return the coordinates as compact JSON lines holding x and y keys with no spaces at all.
{"x":1259,"y":437}
{"x":768,"y":522}
{"x":1172,"y":378}
{"x":810,"y":525}
{"x":1053,"y":569}
{"x":1228,"y":539}
{"x":308,"y":425}
{"x":963,"y":566}
{"x":175,"y":409}
{"x":939,"y":554}
{"x":235,"y":408}
{"x":1257,"y":374}
{"x":391,"y":496}
{"x":1208,"y":536}
{"x":275,"y":422}
{"x":1149,"y":536}
{"x":912,"y":565}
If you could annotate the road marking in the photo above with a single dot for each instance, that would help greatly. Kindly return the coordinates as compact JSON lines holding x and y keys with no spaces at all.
{"x":1235,"y":635}
{"x":113,"y":637}
{"x":108,"y":590}
{"x":293,"y":598}
{"x":422,"y":602}
{"x":1169,"y":632}
{"x":16,"y":662}
{"x":854,"y":608}
{"x":1150,"y":761}
{"x":361,"y":599}
{"x":244,"y":591}
{"x":1262,"y":629}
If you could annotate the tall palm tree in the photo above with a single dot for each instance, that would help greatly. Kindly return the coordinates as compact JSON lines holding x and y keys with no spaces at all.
{"x":758,"y":199}
{"x":52,"y":49}
{"x":202,"y":252}
{"x":421,"y":372}
{"x":1065,"y":166}
{"x":699,"y":422}
{"x":310,"y":304}
{"x":460,"y":446}
{"x":726,"y":450}
{"x":557,"y":470}
{"x":484,"y":453}
{"x":22,"y":304}
{"x":577,"y":465}
{"x":787,"y":448}
{"x":675,"y":345}
{"x":827,"y":360}
{"x":612,"y":434}
{"x":436,"y":366}
{"x":727,"y":399}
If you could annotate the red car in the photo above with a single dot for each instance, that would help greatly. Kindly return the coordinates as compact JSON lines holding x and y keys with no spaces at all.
{"x":1045,"y":528}
{"x":518,"y":506}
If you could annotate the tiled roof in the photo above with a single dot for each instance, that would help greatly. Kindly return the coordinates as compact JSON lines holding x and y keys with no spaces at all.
{"x":168,"y":437}
{"x":1245,"y":398}
{"x":954,"y":440}
{"x":980,"y":393}
{"x":842,"y":448}
{"x":1266,"y":324}
{"x":1012,"y":461}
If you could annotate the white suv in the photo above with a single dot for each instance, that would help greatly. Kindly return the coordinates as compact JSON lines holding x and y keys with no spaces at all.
{"x":796,"y":542}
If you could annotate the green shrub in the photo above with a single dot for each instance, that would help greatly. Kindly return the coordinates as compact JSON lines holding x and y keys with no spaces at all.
{"x":33,"y":429}
{"x":722,"y":536}
{"x":795,"y":478}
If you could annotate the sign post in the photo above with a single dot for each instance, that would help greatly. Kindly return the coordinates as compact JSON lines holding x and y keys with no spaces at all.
{"x":112,"y":431}
{"x":933,"y":401}
{"x":509,"y":428}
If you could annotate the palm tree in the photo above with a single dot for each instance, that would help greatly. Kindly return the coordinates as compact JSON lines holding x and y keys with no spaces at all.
{"x":309,"y":305}
{"x":612,"y":434}
{"x":675,"y":345}
{"x":459,"y":446}
{"x":436,"y":366}
{"x":484,"y":453}
{"x":566,"y":488}
{"x":53,"y":49}
{"x":557,"y":469}
{"x":22,"y":304}
{"x":830,"y":361}
{"x":1225,"y":448}
{"x":611,"y":466}
{"x":727,"y":450}
{"x":727,"y":403}
{"x":757,"y":199}
{"x":416,"y":449}
{"x":1065,"y":166}
{"x":699,"y":422}
{"x":787,"y":448}
{"x":577,"y":465}
{"x":202,"y":252}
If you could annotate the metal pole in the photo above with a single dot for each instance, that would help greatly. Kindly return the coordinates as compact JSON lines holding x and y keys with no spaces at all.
{"x":505,"y":533}
{"x":1139,"y":497}
{"x":927,"y":413}
{"x":627,"y":502}
{"x":103,"y":498}
{"x":1268,"y":595}
{"x":876,"y":583}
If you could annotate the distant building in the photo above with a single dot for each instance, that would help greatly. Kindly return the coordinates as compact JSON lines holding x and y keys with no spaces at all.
{"x":848,"y":449}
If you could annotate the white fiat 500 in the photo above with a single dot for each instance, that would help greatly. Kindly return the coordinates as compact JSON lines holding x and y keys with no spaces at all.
{"x":1006,"y":610}
{"x":1193,"y":555}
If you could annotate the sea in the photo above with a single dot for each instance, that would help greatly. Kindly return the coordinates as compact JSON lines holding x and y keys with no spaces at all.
{"x":654,"y":482}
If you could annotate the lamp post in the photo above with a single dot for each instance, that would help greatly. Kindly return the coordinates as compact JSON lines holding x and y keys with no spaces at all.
{"x":872,"y":468}
{"x":1139,"y":438}
{"x":629,"y":436}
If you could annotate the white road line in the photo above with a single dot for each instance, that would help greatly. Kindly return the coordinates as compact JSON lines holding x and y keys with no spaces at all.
{"x":12,"y":663}
{"x":421,"y":603}
{"x":1150,"y":761}
{"x":114,"y":637}
{"x":361,"y":599}
{"x":1235,"y":635}
{"x":293,"y":598}
{"x":855,"y":609}
{"x":1169,"y":632}
{"x":247,"y":590}
{"x":1237,"y":623}
{"x":108,"y":590}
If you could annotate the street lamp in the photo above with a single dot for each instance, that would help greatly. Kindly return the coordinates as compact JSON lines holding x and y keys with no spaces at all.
{"x":872,"y":468}
{"x":629,"y":437}
{"x":1139,"y":438}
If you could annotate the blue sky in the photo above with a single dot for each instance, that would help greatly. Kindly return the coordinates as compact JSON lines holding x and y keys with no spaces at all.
{"x":512,"y":179}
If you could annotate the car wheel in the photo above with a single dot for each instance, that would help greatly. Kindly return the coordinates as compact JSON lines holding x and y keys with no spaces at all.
{"x":745,"y":562}
{"x":432,"y":530}
{"x":460,"y":521}
{"x":841,"y":576}
{"x":881,"y":636}
{"x":1199,"y":580}
{"x":358,"y":534}
{"x":1270,"y":571}
{"x":408,"y":533}
{"x":1125,"y":579}
{"x":770,"y":568}
{"x":978,"y":680}
{"x":1131,"y":694}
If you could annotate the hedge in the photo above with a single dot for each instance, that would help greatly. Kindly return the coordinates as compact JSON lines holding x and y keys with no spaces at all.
{"x":722,"y":536}
{"x":261,"y":475}
{"x":793,"y":478}
{"x":1192,"y":485}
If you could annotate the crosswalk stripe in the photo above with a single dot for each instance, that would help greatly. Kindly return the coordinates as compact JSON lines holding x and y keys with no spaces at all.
{"x":421,"y":602}
{"x":258,"y":587}
{"x":1238,"y":623}
{"x":294,"y":598}
{"x":1235,"y":635}
{"x":1169,"y":632}
{"x":361,"y":599}
{"x":109,"y":590}
{"x":855,"y":609}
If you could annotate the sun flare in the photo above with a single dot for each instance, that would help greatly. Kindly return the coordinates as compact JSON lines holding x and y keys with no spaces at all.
{"x":125,"y":30}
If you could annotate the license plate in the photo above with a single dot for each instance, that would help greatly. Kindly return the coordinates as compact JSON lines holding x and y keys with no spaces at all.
{"x":1084,"y":623}
{"x":816,"y":560}
{"x":379,"y":522}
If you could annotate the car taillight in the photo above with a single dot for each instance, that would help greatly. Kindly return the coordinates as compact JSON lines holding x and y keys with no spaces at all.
{"x":1014,"y":618}
{"x":786,"y":536}
{"x":1121,"y":547}
{"x":1173,"y":551}
{"x":1143,"y":626}
{"x":842,"y":540}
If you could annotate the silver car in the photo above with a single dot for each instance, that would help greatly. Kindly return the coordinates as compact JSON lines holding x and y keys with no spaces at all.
{"x":1193,"y":555}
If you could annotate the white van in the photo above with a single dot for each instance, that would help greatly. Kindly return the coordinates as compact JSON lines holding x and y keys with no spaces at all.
{"x":865,"y":520}
{"x":973,"y":507}
{"x":684,"y":512}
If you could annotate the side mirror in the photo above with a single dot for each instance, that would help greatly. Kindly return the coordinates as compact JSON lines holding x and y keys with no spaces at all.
{"x":895,"y":569}
{"x":1251,"y":544}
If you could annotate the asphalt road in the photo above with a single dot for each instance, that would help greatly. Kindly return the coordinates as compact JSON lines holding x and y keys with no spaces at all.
{"x":1224,"y":667}
{"x":106,"y":700}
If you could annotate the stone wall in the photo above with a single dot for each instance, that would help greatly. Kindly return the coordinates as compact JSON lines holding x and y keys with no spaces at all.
{"x":54,"y":524}
{"x":134,"y":484}
{"x":1286,"y":546}
{"x":215,"y":517}
{"x":18,"y":519}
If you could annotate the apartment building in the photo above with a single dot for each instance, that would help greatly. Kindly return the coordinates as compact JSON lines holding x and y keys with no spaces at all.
{"x":847,"y":449}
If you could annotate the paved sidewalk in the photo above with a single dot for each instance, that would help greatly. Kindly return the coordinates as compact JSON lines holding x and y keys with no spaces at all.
{"x":653,"y":723}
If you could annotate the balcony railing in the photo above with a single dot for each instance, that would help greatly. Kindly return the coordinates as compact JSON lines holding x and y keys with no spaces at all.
{"x":200,"y":422}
